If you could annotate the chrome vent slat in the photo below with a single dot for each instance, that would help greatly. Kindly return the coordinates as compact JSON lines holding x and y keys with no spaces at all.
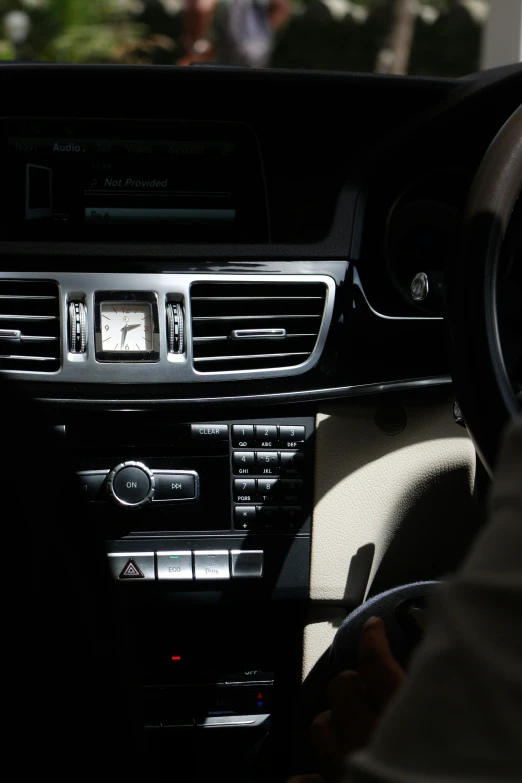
{"x":28,"y":358}
{"x":250,"y":317}
{"x":251,"y":298}
{"x":30,"y":306}
{"x":251,"y":356}
{"x":28,"y":317}
{"x":224,"y":337}
{"x":23,"y":296}
{"x":240,"y":327}
{"x":36,"y":339}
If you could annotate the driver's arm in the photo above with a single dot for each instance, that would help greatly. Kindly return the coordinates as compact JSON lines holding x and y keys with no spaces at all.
{"x":458,"y":717}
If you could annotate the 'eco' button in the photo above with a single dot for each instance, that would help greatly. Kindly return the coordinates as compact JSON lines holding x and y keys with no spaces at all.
{"x":174,"y":565}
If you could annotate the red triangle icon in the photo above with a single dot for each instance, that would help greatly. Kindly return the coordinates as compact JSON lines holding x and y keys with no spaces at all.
{"x":260,"y":696}
{"x":132,"y":571}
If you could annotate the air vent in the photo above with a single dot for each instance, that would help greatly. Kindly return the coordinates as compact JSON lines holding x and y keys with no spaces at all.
{"x":29,"y":326}
{"x":253,"y":326}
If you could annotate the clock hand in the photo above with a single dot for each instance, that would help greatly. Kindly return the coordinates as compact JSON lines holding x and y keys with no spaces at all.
{"x":123,"y":335}
{"x":132,"y":326}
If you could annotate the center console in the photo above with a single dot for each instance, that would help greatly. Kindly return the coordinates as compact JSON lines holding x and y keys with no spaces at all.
{"x":207,"y":522}
{"x":205,"y":508}
{"x":225,"y":504}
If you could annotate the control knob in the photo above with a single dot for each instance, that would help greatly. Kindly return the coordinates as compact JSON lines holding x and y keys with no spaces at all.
{"x":131,"y":484}
{"x":77,"y":327}
{"x":176,"y":327}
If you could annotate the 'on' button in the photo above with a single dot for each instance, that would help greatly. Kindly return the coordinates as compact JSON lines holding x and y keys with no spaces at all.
{"x":131,"y":485}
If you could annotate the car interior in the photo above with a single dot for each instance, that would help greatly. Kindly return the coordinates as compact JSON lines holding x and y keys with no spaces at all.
{"x":271,"y":322}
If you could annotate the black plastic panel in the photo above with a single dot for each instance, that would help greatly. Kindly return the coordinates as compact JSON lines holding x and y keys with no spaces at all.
{"x":308,"y":155}
{"x":209,"y":523}
{"x":286,"y":569}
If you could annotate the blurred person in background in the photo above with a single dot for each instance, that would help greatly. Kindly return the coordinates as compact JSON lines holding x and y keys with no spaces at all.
{"x":232,"y":32}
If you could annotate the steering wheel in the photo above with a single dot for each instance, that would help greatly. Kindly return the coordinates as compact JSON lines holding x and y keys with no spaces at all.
{"x":483,"y":388}
{"x":484,"y":391}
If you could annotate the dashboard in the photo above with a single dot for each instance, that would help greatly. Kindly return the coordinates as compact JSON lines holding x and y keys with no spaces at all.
{"x":356,"y":204}
{"x":187,"y":277}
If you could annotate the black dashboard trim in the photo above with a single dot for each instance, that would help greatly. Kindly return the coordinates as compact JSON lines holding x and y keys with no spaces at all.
{"x":437,"y":102}
{"x":309,"y":395}
{"x":335,"y":246}
{"x":111,"y":100}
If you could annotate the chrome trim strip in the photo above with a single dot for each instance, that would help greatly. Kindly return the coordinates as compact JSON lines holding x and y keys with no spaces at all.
{"x":357,"y":282}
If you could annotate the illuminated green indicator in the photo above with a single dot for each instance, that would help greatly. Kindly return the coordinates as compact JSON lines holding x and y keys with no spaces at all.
{"x":173,"y":557}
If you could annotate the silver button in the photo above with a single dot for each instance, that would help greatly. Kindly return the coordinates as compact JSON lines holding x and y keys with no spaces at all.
{"x":174,"y":565}
{"x":132,"y":566}
{"x":420,"y":287}
{"x":230,"y":721}
{"x":247,"y":564}
{"x":211,"y":565}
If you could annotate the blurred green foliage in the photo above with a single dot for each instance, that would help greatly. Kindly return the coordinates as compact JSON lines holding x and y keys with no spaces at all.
{"x":90,"y":31}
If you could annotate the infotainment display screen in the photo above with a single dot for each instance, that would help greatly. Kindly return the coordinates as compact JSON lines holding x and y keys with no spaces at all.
{"x":134,"y":180}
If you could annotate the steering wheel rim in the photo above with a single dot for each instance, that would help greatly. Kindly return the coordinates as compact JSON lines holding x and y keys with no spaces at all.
{"x":484,"y":392}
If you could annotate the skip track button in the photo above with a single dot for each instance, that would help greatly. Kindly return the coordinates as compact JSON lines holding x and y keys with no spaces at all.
{"x":175,"y":486}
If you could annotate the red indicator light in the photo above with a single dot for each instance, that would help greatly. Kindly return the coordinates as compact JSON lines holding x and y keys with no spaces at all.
{"x":259,"y":695}
{"x":176,"y":658}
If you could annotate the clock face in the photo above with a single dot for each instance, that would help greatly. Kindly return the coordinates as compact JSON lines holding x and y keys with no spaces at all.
{"x":126,"y":327}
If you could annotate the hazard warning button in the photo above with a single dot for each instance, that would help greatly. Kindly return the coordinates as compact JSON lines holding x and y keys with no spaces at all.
{"x":132,"y":566}
{"x":132,"y":571}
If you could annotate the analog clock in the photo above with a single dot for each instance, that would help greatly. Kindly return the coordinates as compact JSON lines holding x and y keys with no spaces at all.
{"x":126,"y":326}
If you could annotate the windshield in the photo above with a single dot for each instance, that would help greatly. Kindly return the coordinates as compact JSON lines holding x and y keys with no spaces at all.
{"x":422,"y":37}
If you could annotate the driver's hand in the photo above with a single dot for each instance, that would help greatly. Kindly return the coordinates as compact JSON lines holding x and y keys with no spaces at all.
{"x":357,"y":700}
